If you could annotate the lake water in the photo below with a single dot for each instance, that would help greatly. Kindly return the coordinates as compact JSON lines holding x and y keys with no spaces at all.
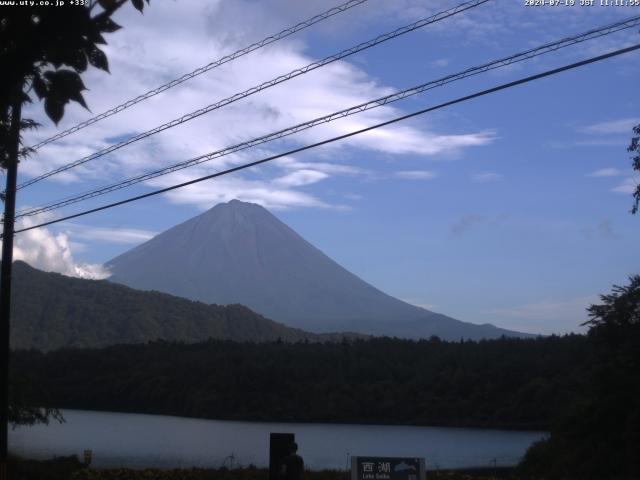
{"x":131,"y":440}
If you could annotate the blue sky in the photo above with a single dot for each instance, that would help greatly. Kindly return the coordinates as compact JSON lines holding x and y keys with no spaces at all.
{"x":511,"y":209}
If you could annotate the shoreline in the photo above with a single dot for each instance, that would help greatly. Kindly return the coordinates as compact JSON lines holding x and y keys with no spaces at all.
{"x":263,"y":421}
{"x":60,"y":468}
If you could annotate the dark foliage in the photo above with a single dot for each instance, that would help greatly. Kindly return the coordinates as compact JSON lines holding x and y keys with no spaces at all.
{"x":60,"y":468}
{"x":70,"y":468}
{"x":43,"y":50}
{"x":21,"y":412}
{"x":600,"y":438}
{"x":51,"y":311}
{"x":634,"y":148}
{"x":507,"y":383}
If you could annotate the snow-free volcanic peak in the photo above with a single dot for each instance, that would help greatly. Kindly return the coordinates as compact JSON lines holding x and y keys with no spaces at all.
{"x":239,"y":252}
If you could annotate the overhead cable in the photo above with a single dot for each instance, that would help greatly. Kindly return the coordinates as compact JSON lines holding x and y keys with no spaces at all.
{"x":199,"y":71}
{"x":253,"y":90}
{"x":504,"y":86}
{"x":503,"y":62}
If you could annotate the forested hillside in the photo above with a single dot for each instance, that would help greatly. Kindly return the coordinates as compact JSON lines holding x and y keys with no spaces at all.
{"x":51,"y":311}
{"x":511,"y":383}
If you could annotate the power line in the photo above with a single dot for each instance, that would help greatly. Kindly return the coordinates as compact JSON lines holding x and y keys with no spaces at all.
{"x":253,"y":90}
{"x":534,"y":52}
{"x":504,"y":86}
{"x":199,"y":71}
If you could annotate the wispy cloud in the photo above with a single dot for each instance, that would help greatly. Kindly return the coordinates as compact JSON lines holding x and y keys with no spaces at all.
{"x":486,"y":177}
{"x":116,"y":235}
{"x":607,"y":172}
{"x":628,"y":185}
{"x":266,"y":193}
{"x":547,"y":316}
{"x":416,"y":174}
{"x":610,"y":127}
{"x":420,"y":303}
{"x":330,"y":168}
{"x":301,"y":177}
{"x":603,"y":141}
{"x":440,"y":62}
{"x":161,"y":47}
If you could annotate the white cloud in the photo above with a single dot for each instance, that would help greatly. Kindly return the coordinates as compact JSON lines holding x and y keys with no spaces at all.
{"x":420,"y":303}
{"x":628,"y":185}
{"x":159,"y":45}
{"x":440,"y":62}
{"x":206,"y":194}
{"x":547,"y":316}
{"x":416,"y":174}
{"x":611,"y":127}
{"x":353,"y":196}
{"x":329,"y":168}
{"x":603,"y":141}
{"x":46,"y":251}
{"x":486,"y":177}
{"x":126,"y":236}
{"x":606,"y":172}
{"x":301,"y":177}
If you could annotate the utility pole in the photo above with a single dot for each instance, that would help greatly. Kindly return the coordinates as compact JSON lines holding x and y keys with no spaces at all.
{"x":5,"y":277}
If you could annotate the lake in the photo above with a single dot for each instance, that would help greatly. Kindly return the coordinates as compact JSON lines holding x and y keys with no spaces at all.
{"x":137,"y":441}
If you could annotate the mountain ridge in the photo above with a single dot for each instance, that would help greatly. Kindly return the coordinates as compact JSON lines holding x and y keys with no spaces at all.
{"x":50,"y":311}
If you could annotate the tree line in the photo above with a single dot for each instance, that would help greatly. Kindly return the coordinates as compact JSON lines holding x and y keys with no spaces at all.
{"x":504,"y":383}
{"x":598,"y":437}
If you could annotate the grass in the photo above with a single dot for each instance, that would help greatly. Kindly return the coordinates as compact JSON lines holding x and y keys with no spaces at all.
{"x":70,"y":468}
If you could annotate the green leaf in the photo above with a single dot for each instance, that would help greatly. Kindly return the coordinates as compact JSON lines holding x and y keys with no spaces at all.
{"x":95,"y":37}
{"x":64,"y":86}
{"x":70,"y":86}
{"x":77,"y":97}
{"x":98,"y":59}
{"x":54,"y":108}
{"x":66,"y":82}
{"x":78,"y":60}
{"x":39,"y":86}
{"x":138,"y":4}
{"x":105,"y":24}
{"x":28,"y":124}
{"x":106,"y":3}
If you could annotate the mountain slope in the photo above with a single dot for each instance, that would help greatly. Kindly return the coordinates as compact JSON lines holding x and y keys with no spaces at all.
{"x":51,"y":311}
{"x":240,"y":253}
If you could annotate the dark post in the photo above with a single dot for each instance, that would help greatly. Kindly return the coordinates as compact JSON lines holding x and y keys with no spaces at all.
{"x":5,"y":280}
{"x":278,"y":449}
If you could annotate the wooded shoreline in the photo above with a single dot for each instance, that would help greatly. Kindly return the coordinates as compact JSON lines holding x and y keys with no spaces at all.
{"x":507,"y":383}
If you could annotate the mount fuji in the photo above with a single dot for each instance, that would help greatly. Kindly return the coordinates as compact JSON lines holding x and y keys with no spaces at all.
{"x":239,"y":253}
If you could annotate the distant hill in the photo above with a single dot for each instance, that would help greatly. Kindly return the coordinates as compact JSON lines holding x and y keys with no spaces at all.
{"x":50,"y":311}
{"x":238,"y":252}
